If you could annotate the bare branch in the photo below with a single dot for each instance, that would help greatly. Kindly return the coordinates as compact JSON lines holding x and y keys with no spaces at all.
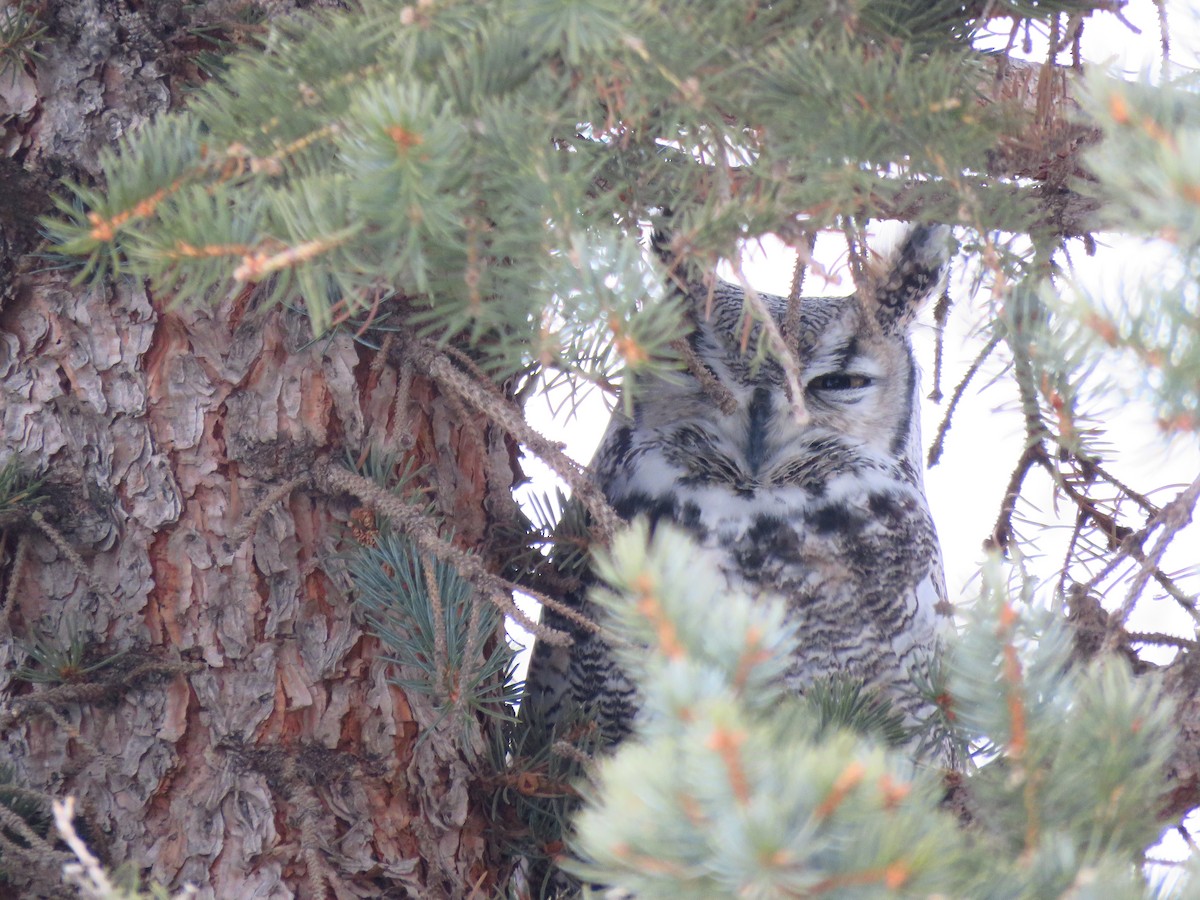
{"x":719,"y":394}
{"x":935,"y":451}
{"x":1173,"y":518}
{"x":487,"y":400}
{"x":792,"y":369}
{"x":423,"y":532}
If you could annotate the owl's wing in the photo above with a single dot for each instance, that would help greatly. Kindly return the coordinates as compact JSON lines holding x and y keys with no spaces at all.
{"x":578,"y":686}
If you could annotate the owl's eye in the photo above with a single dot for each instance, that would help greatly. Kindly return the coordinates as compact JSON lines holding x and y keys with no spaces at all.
{"x":839,"y":381}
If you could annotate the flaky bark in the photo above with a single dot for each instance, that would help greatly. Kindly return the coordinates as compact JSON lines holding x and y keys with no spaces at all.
{"x":248,"y":740}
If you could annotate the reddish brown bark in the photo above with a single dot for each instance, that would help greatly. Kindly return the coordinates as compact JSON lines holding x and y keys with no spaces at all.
{"x":249,"y":741}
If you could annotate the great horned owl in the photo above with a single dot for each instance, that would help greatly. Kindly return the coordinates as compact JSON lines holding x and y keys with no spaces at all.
{"x":830,"y":513}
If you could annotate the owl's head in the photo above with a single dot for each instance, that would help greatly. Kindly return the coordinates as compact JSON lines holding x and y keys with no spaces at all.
{"x":857,"y":370}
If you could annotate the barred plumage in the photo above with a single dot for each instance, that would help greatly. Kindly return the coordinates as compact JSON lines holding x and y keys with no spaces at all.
{"x":831,"y":513}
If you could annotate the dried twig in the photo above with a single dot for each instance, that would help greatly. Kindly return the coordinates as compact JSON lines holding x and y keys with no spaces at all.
{"x":1131,"y":542}
{"x":719,"y":394}
{"x":1072,"y":545}
{"x":1173,"y":518}
{"x":1002,"y":531}
{"x":245,"y":531}
{"x":1137,"y":497}
{"x":787,"y":360}
{"x":423,"y":532}
{"x":941,"y":311}
{"x":15,"y":571}
{"x":488,"y":401}
{"x":1164,"y":32}
{"x":1160,"y":639}
{"x":939,"y":441}
{"x":55,"y":537}
{"x":804,"y":252}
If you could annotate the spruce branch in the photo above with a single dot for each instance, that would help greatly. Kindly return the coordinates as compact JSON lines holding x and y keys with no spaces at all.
{"x":424,"y":533}
{"x":36,"y":843}
{"x":497,"y":409}
{"x":20,"y":31}
{"x":106,"y":688}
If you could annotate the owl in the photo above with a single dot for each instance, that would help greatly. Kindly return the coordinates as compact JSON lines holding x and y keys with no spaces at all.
{"x":828,"y":513}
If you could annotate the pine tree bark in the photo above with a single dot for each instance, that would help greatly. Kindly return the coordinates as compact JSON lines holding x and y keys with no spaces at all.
{"x":247,"y":739}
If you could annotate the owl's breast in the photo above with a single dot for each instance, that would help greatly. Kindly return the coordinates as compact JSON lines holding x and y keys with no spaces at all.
{"x":786,"y":523}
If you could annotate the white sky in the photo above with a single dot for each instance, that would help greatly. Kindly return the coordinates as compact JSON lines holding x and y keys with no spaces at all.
{"x":966,"y":488}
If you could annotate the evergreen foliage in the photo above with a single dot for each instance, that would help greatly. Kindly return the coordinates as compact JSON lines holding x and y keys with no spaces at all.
{"x":728,"y":789}
{"x":20,"y":32}
{"x":1149,"y":178}
{"x":491,"y":164}
{"x":443,"y":639}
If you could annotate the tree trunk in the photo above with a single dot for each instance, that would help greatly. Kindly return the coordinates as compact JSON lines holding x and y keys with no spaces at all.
{"x":243,"y":734}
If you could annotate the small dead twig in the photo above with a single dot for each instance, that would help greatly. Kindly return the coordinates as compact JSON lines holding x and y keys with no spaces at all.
{"x":1162,"y":640}
{"x":380,"y":357}
{"x":804,"y":252}
{"x":1072,"y":545}
{"x":15,"y":571}
{"x":423,"y":532}
{"x":1140,"y":499}
{"x":857,"y":260}
{"x":55,"y":537}
{"x":246,"y":530}
{"x":1131,"y":542}
{"x":719,"y":394}
{"x":1164,"y":33}
{"x":489,"y":402}
{"x":1002,"y":531}
{"x":939,"y":441}
{"x":941,"y":312}
{"x":1174,"y":517}
{"x":787,"y":360}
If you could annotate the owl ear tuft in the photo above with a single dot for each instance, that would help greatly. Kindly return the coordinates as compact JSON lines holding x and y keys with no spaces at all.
{"x":914,"y":274}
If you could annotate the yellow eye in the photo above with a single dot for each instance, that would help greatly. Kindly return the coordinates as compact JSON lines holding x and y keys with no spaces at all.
{"x":839,"y":381}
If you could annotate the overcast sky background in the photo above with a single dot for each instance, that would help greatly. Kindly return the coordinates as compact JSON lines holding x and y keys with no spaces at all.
{"x":966,"y":488}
